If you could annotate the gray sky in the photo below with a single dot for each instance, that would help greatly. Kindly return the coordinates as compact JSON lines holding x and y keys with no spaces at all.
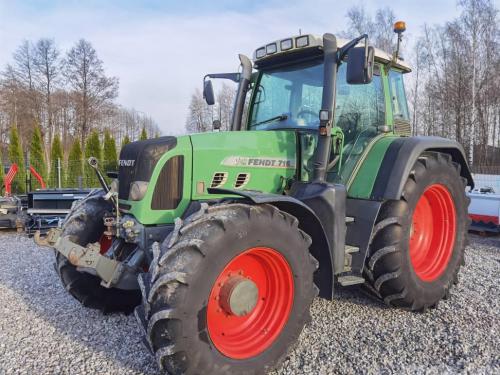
{"x":160,"y":50}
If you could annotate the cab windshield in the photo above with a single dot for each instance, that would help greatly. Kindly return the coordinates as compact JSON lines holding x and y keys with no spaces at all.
{"x":290,"y":98}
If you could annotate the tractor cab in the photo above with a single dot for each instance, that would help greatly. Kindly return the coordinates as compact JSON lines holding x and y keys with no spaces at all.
{"x":286,"y":92}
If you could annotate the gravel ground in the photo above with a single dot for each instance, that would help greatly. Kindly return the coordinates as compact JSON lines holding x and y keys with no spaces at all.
{"x":43,"y":330}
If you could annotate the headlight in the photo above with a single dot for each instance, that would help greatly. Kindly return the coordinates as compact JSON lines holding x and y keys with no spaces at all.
{"x":286,"y":44}
{"x":138,"y":190}
{"x":302,"y":41}
{"x":261,"y":52}
{"x":271,"y":48}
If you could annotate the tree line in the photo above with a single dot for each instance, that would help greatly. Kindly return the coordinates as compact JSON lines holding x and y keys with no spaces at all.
{"x":456,"y":89}
{"x":51,"y":103}
{"x":453,"y":91}
{"x":72,"y":171}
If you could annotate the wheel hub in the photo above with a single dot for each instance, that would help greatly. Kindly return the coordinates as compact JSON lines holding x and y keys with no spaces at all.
{"x":239,"y":295}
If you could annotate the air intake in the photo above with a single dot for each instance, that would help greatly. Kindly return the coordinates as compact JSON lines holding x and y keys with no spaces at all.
{"x":241,"y":180}
{"x":220,"y":178}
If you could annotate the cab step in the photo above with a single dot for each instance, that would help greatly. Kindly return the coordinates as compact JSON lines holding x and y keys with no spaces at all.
{"x":348,"y":251}
{"x":350,"y":280}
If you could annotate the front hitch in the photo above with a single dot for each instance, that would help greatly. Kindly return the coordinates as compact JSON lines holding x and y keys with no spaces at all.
{"x":50,"y":238}
{"x":112,"y":272}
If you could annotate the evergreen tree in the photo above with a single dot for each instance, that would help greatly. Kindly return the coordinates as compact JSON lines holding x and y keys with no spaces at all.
{"x":37,"y":157}
{"x":16,"y":156}
{"x":75,"y":165}
{"x":92,"y":148}
{"x":110,"y":162}
{"x":56,"y":156}
{"x":144,"y":135}
{"x":125,"y":141}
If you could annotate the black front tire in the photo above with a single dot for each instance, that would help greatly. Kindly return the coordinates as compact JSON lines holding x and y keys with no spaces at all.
{"x":180,"y":280}
{"x":84,"y":225}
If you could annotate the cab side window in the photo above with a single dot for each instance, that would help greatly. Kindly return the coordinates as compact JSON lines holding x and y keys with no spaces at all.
{"x":398,"y":96}
{"x":359,"y":108}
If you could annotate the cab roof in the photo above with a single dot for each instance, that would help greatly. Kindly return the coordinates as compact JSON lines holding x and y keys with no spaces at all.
{"x":298,"y":42}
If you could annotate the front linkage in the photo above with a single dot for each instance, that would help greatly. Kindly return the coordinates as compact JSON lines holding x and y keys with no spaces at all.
{"x":89,"y":259}
{"x":117,"y":257}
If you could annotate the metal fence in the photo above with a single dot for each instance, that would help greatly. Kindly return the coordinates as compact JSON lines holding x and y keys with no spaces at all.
{"x":487,"y":180}
{"x":64,"y":174}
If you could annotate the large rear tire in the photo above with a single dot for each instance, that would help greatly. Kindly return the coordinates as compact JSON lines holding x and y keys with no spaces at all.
{"x":229,"y":292}
{"x":84,"y":225}
{"x":418,"y":241}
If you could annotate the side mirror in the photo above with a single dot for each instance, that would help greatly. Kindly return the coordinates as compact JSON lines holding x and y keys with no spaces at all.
{"x":216,"y":125}
{"x":360,"y":65}
{"x":208,"y":92}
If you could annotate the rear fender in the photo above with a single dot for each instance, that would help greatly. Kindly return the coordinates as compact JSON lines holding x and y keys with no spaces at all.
{"x":402,"y":155}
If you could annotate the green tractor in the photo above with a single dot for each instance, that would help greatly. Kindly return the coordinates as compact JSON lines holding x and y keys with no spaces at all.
{"x":220,"y":241}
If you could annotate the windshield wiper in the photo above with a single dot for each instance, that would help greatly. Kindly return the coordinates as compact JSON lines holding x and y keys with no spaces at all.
{"x":282,"y":117}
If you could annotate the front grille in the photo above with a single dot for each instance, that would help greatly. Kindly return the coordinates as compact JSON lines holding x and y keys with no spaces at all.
{"x":168,"y":190}
{"x":138,"y":160}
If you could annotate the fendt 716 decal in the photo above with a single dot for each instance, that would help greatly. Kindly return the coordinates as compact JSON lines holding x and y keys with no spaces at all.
{"x":258,"y":162}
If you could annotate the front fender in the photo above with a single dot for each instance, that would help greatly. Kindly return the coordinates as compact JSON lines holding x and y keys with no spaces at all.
{"x":308,"y":222}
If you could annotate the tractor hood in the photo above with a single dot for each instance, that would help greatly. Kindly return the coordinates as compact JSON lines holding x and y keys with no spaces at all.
{"x":251,"y":160}
{"x":159,"y":178}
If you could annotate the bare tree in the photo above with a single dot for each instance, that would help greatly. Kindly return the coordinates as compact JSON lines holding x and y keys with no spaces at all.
{"x":24,"y":64}
{"x":46,"y":64}
{"x":28,"y":97}
{"x":384,"y":34}
{"x":200,"y":114}
{"x":225,"y":101}
{"x":92,"y":89}
{"x":378,"y":28}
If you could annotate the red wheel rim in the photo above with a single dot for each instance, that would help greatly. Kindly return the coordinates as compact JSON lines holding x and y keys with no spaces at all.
{"x":242,"y":337}
{"x":432,"y":232}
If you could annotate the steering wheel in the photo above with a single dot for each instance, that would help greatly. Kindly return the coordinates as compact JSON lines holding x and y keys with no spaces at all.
{"x":306,"y":111}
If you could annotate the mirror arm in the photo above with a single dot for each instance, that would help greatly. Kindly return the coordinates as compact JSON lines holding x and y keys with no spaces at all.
{"x":345,"y":49}
{"x":235,"y":77}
